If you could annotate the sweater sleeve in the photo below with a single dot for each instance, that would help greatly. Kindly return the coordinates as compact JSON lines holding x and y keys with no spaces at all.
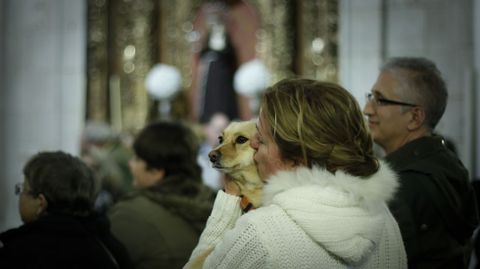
{"x":229,"y":241}
{"x":226,"y":211}
{"x":240,"y":248}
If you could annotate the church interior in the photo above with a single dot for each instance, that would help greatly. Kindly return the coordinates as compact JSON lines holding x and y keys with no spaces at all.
{"x":64,"y":63}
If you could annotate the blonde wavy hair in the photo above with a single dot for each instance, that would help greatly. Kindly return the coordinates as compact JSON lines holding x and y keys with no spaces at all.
{"x":319,"y":124}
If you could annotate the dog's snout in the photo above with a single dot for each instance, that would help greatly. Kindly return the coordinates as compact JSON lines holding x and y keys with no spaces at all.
{"x":213,"y":155}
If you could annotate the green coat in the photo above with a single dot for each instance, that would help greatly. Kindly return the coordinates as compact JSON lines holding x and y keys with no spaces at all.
{"x":161,"y":227}
{"x":435,"y":204}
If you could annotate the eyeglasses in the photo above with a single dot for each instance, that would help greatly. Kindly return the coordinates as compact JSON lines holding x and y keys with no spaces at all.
{"x":380,"y":101}
{"x":18,"y":188}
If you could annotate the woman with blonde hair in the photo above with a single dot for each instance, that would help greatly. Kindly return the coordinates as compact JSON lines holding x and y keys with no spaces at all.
{"x":324,"y":203}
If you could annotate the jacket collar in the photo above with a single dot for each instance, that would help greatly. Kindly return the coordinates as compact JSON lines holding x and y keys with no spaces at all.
{"x":376,"y":189}
{"x":340,"y":212}
{"x":416,"y":150}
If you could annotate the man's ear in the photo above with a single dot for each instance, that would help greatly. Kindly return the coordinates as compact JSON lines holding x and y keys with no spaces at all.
{"x":156,"y":175}
{"x":42,"y":204}
{"x":417,"y":119}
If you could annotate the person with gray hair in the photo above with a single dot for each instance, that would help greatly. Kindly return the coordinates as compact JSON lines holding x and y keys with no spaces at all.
{"x":61,"y":229}
{"x":434,"y":205}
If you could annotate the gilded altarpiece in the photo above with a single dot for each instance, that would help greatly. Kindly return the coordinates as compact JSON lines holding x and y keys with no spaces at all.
{"x":317,"y":32}
{"x":127,"y":37}
{"x":121,"y":50}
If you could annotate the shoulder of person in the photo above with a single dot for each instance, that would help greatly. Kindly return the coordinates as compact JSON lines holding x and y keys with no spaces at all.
{"x":265,"y":218}
{"x":12,"y":236}
{"x":25,"y":232}
{"x":133,"y":206}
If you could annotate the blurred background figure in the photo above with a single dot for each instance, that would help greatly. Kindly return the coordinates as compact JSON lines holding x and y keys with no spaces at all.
{"x":211,"y":131}
{"x":60,"y":227}
{"x":225,"y":39}
{"x":161,"y":221}
{"x":106,"y":153}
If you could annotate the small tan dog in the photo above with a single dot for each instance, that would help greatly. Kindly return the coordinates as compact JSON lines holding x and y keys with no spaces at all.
{"x":234,"y":157}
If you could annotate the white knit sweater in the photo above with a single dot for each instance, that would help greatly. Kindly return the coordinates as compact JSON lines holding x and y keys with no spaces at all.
{"x":310,"y":219}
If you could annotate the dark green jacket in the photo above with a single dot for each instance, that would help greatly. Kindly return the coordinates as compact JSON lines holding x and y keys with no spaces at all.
{"x":160,"y":226}
{"x":435,"y":204}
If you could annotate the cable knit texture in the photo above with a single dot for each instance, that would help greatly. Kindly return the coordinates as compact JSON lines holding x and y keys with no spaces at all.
{"x":310,"y":219}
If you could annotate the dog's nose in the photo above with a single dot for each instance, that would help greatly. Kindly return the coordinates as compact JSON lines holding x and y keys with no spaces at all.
{"x":213,"y":155}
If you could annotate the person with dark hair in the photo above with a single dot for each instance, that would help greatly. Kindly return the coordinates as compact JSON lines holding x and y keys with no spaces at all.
{"x":435,"y":205}
{"x":324,"y":202}
{"x":60,"y":227}
{"x":161,"y":221}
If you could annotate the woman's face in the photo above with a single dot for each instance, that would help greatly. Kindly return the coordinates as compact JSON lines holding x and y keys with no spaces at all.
{"x":142,"y":176}
{"x":267,"y":154}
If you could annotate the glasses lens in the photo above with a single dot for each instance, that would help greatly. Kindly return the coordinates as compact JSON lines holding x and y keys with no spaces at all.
{"x":18,"y":188}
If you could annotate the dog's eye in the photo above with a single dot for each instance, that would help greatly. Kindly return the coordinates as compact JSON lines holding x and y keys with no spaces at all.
{"x":220,"y":139}
{"x":241,"y":140}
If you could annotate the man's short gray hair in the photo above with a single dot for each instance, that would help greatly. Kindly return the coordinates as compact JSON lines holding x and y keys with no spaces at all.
{"x":420,"y":82}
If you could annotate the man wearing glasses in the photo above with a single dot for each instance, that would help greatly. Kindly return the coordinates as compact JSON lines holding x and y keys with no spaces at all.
{"x":435,"y":205}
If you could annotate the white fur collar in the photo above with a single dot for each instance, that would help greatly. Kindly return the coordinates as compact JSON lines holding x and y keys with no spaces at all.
{"x":341,"y":212}
{"x":372,"y":191}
